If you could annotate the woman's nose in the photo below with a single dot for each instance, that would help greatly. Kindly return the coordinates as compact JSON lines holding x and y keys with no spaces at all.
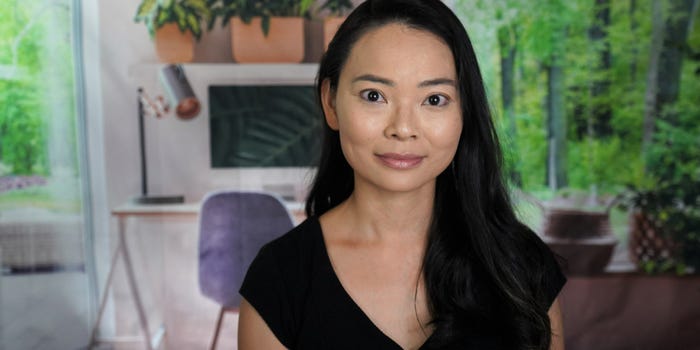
{"x":402,"y":124}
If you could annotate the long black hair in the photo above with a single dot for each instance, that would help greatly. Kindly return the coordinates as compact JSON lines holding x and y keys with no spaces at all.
{"x":483,"y":269}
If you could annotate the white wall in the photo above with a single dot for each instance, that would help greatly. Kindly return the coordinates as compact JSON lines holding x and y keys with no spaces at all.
{"x":178,"y":151}
{"x":119,"y":56}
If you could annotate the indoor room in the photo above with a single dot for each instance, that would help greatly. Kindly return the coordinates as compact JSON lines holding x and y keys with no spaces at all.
{"x":150,"y":148}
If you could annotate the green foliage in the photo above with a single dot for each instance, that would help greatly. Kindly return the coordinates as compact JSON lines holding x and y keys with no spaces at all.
{"x":265,"y":9}
{"x":37,"y":104}
{"x":22,"y":128}
{"x":558,"y":32}
{"x":670,"y":196}
{"x":547,"y":26}
{"x":189,"y":15}
{"x":337,"y":7}
{"x":555,"y":31}
{"x":597,"y":163}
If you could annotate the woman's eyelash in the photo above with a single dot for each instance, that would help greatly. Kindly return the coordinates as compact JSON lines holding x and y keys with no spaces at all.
{"x":437,"y":100}
{"x":371,"y":95}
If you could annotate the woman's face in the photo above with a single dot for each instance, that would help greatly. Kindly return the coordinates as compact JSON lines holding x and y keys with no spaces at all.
{"x":397,"y":108}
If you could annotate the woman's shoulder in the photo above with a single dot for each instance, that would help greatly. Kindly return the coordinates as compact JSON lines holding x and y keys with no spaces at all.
{"x":285,"y":263}
{"x":292,"y":255}
{"x":296,"y":242}
{"x":277,"y":281}
{"x":541,"y":266}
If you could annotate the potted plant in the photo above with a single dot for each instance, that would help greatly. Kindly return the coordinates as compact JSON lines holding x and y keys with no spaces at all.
{"x":336,"y":16}
{"x":266,"y":31}
{"x":665,"y":228}
{"x":175,"y":25}
{"x":665,"y":209}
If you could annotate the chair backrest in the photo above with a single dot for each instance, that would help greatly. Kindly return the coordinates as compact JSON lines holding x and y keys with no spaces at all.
{"x":233,"y":226}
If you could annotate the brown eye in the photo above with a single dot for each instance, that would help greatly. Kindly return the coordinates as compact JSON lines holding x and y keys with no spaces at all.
{"x":436,"y":100}
{"x":372,"y":96}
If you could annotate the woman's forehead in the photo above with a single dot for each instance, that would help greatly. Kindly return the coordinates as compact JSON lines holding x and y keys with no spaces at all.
{"x":397,"y":51}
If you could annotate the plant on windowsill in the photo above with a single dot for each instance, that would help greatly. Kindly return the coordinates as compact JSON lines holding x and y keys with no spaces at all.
{"x":665,"y":211}
{"x":174,"y":26}
{"x":265,"y":31}
{"x":336,"y":16}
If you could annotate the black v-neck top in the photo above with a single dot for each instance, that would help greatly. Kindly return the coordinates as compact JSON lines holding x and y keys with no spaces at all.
{"x":292,"y":285}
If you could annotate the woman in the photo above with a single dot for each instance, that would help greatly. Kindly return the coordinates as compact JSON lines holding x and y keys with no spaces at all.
{"x":411,"y":241}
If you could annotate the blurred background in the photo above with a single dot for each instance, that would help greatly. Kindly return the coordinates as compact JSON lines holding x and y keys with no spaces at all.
{"x":596,"y":103}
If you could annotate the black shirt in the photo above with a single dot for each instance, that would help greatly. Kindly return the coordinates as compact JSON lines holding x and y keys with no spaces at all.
{"x":292,"y":285}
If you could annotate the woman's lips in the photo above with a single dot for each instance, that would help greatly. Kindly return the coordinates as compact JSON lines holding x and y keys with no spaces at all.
{"x":400,"y":161}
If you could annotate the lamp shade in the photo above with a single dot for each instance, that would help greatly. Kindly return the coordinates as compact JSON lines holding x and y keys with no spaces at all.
{"x":179,"y":91}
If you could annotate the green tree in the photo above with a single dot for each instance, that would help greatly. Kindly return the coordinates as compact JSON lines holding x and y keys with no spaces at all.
{"x":22,"y":131}
{"x":671,"y":25}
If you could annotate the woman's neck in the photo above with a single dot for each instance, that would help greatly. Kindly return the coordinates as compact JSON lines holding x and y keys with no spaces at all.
{"x":379,"y":216}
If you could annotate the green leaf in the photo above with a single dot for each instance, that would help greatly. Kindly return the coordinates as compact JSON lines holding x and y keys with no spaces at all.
{"x":194,"y":25}
{"x":680,"y":269}
{"x":304,"y":6}
{"x":265,"y":24}
{"x":212,"y":20}
{"x":145,"y":10}
{"x":649,"y":267}
{"x":180,"y":17}
{"x":199,"y":8}
{"x":163,"y":18}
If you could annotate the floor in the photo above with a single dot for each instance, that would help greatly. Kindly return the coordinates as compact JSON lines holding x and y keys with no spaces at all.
{"x":51,"y":310}
{"x":43,"y":311}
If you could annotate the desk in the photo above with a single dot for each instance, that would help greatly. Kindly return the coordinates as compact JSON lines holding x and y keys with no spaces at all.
{"x":123,"y":213}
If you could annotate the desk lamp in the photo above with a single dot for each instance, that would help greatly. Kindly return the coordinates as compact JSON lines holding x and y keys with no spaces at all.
{"x":187,"y":106}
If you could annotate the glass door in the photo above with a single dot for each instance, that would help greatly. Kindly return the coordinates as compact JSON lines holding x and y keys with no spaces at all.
{"x":45,"y":289}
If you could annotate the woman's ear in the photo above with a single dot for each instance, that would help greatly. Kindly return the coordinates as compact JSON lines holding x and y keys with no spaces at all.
{"x":328,"y":104}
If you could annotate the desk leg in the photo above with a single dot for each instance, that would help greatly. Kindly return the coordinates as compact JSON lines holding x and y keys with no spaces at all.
{"x":132,"y":284}
{"x":105,"y":293}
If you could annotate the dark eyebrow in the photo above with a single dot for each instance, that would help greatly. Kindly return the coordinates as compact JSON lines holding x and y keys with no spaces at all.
{"x":427,"y":83}
{"x":374,"y":79}
{"x":439,"y":81}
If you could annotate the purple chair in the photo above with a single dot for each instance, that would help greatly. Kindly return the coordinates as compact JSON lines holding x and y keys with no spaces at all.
{"x":233,"y":226}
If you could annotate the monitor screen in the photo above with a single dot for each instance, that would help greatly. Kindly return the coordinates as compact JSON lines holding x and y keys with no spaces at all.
{"x":264,"y":126}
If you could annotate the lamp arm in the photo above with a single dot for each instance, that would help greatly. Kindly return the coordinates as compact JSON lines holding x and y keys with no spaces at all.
{"x":142,"y":144}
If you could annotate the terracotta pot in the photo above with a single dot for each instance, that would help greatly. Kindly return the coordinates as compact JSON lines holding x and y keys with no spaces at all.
{"x":172,"y":45}
{"x":330,"y":26}
{"x":283,"y":44}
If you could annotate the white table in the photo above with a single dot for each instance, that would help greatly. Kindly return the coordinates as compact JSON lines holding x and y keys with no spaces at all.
{"x":123,"y":213}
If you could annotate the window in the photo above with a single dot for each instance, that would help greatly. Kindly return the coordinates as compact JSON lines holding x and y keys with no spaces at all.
{"x":45,"y":289}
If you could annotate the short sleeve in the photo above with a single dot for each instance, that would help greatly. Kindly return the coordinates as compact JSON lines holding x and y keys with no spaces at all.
{"x":264,"y":288}
{"x":554,"y":279}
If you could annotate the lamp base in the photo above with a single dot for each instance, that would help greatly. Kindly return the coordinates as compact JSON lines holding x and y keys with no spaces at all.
{"x":159,"y":199}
